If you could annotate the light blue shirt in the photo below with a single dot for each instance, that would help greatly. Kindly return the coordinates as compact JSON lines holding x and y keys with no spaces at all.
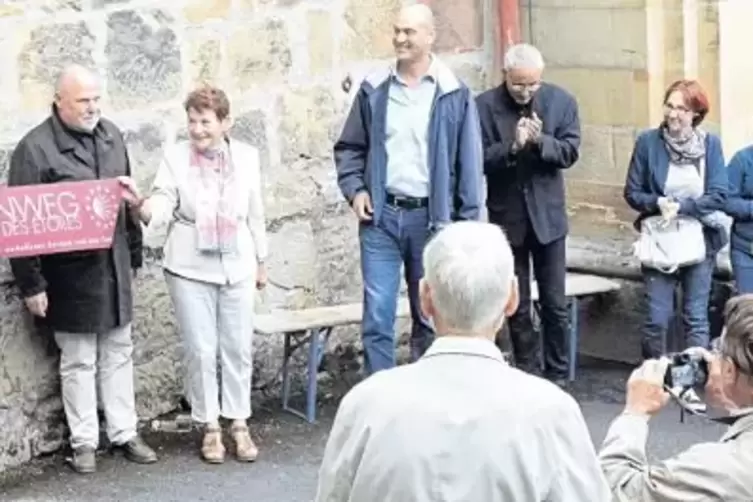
{"x":408,"y":116}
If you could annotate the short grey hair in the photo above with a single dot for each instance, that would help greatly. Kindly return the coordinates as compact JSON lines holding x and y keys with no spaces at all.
{"x":523,"y":56}
{"x":469,"y":268}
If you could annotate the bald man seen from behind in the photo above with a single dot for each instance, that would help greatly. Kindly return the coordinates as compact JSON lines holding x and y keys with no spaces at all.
{"x":460,"y":424}
{"x":85,"y":297}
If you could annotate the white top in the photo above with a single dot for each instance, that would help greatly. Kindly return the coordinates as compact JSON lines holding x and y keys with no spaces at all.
{"x":459,"y":425}
{"x":173,"y":208}
{"x":684,"y":181}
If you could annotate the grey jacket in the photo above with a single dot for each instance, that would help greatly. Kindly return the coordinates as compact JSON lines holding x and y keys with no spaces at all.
{"x":708,"y":472}
{"x":459,"y":425}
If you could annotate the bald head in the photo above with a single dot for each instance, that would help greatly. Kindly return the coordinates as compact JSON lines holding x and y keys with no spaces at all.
{"x":414,"y":33}
{"x":75,"y":75}
{"x":417,"y":14}
{"x":77,"y":95}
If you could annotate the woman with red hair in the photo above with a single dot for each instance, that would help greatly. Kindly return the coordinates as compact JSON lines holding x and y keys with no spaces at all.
{"x":677,"y":182}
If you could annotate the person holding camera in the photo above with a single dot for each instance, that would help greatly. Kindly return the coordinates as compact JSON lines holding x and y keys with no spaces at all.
{"x":706,"y":471}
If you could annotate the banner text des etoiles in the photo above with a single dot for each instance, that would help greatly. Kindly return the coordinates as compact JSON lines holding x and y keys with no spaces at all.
{"x":58,"y":217}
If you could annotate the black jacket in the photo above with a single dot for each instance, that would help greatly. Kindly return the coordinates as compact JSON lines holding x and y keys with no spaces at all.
{"x":88,"y":291}
{"x":529,"y":186}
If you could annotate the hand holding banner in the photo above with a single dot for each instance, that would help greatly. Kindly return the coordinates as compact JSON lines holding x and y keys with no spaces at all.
{"x":58,"y":217}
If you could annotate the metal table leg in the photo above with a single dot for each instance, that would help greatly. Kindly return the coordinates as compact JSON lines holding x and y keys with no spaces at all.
{"x":574,"y":337}
{"x":317,"y":341}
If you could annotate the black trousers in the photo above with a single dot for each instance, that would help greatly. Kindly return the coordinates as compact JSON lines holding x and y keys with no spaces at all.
{"x":549,"y":270}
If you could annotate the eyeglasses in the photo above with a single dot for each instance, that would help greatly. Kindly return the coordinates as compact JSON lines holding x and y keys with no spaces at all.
{"x":681,"y":109}
{"x":525,"y":87}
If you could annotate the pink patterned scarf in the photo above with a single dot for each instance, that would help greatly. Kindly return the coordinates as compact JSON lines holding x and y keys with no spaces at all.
{"x":216,"y":212}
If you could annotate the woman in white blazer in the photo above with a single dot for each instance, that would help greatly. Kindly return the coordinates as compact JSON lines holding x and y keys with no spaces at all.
{"x":206,"y":211}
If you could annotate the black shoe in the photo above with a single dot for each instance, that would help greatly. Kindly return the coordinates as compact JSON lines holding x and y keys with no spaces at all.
{"x":84,"y":460}
{"x":136,"y":450}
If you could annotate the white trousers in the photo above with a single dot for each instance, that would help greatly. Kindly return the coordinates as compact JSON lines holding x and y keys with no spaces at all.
{"x":213,"y":319}
{"x":98,"y":367}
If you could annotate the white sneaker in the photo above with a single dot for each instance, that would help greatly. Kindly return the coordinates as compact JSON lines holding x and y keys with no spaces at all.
{"x":689,"y":399}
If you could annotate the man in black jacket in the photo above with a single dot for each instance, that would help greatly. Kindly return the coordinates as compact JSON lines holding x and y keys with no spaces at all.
{"x":531,"y":132}
{"x":85,"y":297}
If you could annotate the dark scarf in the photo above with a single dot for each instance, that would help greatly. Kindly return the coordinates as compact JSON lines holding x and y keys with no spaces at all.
{"x":685,"y":150}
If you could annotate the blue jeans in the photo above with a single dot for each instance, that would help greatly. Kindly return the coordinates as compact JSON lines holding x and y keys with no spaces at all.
{"x":742,"y":268}
{"x":398,"y":239}
{"x":695,"y":281}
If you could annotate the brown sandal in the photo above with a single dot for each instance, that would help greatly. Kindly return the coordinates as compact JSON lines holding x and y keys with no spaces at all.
{"x":245,"y":449}
{"x":212,"y":448}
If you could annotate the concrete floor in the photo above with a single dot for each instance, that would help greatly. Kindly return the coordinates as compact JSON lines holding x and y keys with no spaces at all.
{"x":291,"y":451}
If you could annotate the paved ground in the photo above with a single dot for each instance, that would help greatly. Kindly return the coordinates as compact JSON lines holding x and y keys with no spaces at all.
{"x":291,"y":451}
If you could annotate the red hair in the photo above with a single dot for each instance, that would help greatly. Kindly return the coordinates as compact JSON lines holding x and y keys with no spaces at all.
{"x":694,"y":97}
{"x":209,"y":98}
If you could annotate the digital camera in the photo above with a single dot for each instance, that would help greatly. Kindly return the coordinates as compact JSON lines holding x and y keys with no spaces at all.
{"x":686,"y":370}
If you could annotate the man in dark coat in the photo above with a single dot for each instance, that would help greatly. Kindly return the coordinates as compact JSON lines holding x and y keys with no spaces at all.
{"x":85,"y":297}
{"x":531,"y":133}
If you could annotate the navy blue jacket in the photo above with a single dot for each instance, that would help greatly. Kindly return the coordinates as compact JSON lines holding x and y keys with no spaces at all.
{"x":529,"y":186}
{"x":647,"y":175}
{"x":740,"y":200}
{"x":455,"y":155}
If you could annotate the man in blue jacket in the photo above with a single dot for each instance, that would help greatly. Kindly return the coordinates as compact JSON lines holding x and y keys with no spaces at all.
{"x":409,"y":160}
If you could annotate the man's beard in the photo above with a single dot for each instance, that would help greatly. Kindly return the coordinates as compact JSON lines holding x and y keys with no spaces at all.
{"x":87,"y":125}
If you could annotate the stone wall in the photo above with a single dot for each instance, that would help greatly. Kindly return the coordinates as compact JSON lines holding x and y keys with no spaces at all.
{"x":281,"y":61}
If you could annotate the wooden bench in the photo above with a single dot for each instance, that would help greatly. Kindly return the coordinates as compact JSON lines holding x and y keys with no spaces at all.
{"x":313,"y":326}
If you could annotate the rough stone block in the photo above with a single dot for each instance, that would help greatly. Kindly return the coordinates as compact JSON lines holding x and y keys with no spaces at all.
{"x":338,"y":272}
{"x":320,"y":43}
{"x":46,"y":51}
{"x":368,"y":34}
{"x":143,"y":58}
{"x":5,"y":154}
{"x":251,"y":127}
{"x":198,"y":11}
{"x":98,"y":4}
{"x":30,"y":407}
{"x":259,"y":53}
{"x":291,"y":268}
{"x":145,"y":144}
{"x":460,"y":24}
{"x":589,"y":4}
{"x":602,"y":156}
{"x":614,"y":38}
{"x":598,"y":210}
{"x":12,"y":7}
{"x":473,"y":74}
{"x":623,"y":140}
{"x":158,"y":369}
{"x":607,"y":96}
{"x":252,"y":4}
{"x":205,"y":57}
{"x":8,"y":10}
{"x":310,"y":123}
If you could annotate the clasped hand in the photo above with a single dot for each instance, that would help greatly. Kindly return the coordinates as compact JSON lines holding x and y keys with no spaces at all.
{"x":528,"y":130}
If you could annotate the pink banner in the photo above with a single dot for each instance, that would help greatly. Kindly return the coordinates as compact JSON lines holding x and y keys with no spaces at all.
{"x":58,"y":217}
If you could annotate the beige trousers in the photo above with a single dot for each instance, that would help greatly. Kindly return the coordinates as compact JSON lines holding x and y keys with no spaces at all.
{"x":216,"y":320}
{"x":98,"y":365}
